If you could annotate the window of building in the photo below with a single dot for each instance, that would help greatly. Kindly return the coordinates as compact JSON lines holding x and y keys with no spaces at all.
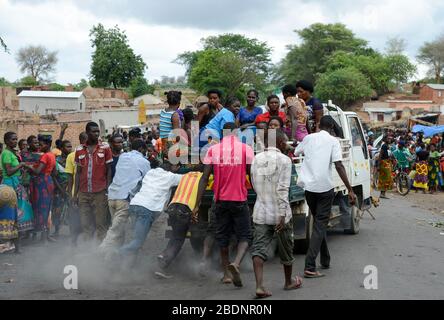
{"x":380,"y":117}
{"x":81,"y":105}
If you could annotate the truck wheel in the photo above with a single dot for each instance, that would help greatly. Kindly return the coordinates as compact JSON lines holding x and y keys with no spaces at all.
{"x":355,"y":218}
{"x":301,"y":246}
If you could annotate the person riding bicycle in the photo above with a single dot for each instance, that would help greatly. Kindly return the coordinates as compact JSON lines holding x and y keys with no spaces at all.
{"x":403,"y":157}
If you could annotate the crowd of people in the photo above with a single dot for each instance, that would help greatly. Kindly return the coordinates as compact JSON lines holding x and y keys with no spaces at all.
{"x":97,"y":186}
{"x":422,"y":158}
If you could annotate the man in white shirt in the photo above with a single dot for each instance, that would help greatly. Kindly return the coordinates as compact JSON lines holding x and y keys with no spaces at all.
{"x":149,"y":202}
{"x":131,"y":168}
{"x":271,"y":178}
{"x":321,"y":150}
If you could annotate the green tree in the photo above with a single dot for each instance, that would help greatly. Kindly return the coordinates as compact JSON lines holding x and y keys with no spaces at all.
{"x":252,"y":54}
{"x":255,"y":52}
{"x":139,"y":87}
{"x":81,"y":85}
{"x":56,"y":87}
{"x":319,"y":42}
{"x":113,"y":60}
{"x":401,"y":69}
{"x":4,"y":82}
{"x":28,"y":81}
{"x":224,"y":70}
{"x":381,"y":71}
{"x":343,"y":86}
{"x":36,"y":61}
{"x":432,"y":55}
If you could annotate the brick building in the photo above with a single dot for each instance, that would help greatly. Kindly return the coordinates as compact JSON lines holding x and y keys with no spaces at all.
{"x":105,"y":98}
{"x":433,"y":92}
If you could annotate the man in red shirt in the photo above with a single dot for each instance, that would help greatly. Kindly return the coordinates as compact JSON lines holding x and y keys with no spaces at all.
{"x":229,"y":161}
{"x":92,"y":181}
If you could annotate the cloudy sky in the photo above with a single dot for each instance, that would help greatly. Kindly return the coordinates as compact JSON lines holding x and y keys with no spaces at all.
{"x":161,"y":29}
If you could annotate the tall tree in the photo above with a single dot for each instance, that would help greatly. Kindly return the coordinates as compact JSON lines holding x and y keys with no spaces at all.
{"x":255,"y":54}
{"x":36,"y":61}
{"x":319,"y":41}
{"x":401,"y":69}
{"x":343,"y":86}
{"x":113,"y":60}
{"x":380,"y":70}
{"x":81,"y":85}
{"x":224,"y":70}
{"x":140,"y":87}
{"x":395,"y":46}
{"x":432,"y":54}
{"x":28,"y":81}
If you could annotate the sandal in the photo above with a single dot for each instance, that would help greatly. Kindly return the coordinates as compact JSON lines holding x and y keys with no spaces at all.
{"x":313,"y":275}
{"x":234,"y":270}
{"x":297,"y":284}
{"x":263,"y":295}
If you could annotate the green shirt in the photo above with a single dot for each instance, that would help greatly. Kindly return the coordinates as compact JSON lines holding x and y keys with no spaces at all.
{"x":403,"y":157}
{"x":9,"y":158}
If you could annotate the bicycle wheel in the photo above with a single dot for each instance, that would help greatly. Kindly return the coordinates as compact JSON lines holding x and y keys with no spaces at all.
{"x":403,"y":184}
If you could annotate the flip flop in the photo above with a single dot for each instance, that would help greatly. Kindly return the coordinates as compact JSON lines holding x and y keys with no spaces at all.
{"x":234,"y":270}
{"x":263,"y":295}
{"x":313,"y":276}
{"x":296,"y":285}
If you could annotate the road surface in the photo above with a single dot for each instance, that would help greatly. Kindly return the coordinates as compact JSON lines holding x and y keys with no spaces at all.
{"x":401,"y":243}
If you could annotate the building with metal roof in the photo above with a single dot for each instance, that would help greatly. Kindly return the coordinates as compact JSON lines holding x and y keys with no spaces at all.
{"x":51,"y":102}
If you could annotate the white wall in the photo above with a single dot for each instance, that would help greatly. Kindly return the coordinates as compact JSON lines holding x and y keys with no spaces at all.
{"x":113,"y":118}
{"x":388,"y":117}
{"x":43,"y":106}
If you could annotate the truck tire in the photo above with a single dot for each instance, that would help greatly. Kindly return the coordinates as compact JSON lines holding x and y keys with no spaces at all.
{"x":301,"y":246}
{"x":355,"y":218}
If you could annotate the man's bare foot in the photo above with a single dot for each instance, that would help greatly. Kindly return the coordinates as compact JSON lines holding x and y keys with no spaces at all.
{"x":226,"y":280}
{"x":296,"y":284}
{"x":262,"y":293}
{"x":235,"y":273}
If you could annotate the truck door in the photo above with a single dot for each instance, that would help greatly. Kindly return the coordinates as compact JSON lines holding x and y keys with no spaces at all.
{"x":359,"y":156}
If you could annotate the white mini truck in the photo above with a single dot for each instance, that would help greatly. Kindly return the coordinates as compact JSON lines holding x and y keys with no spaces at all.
{"x":343,"y":216}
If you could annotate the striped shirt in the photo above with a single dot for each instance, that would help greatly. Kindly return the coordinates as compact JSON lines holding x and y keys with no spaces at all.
{"x":166,"y":123}
{"x":186,"y":192}
{"x":271,"y":178}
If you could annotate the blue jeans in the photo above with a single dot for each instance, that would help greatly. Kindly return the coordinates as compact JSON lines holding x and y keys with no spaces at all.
{"x":144,"y":219}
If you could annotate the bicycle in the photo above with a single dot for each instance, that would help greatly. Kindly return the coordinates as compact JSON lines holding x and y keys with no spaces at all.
{"x":402,"y":180}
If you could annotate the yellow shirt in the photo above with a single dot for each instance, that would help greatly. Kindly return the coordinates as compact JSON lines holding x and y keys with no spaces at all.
{"x":71,"y":168}
{"x":186,"y":192}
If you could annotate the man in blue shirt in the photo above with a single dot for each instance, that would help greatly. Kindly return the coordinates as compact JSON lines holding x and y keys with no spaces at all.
{"x":214,"y":128}
{"x":130,"y":169}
